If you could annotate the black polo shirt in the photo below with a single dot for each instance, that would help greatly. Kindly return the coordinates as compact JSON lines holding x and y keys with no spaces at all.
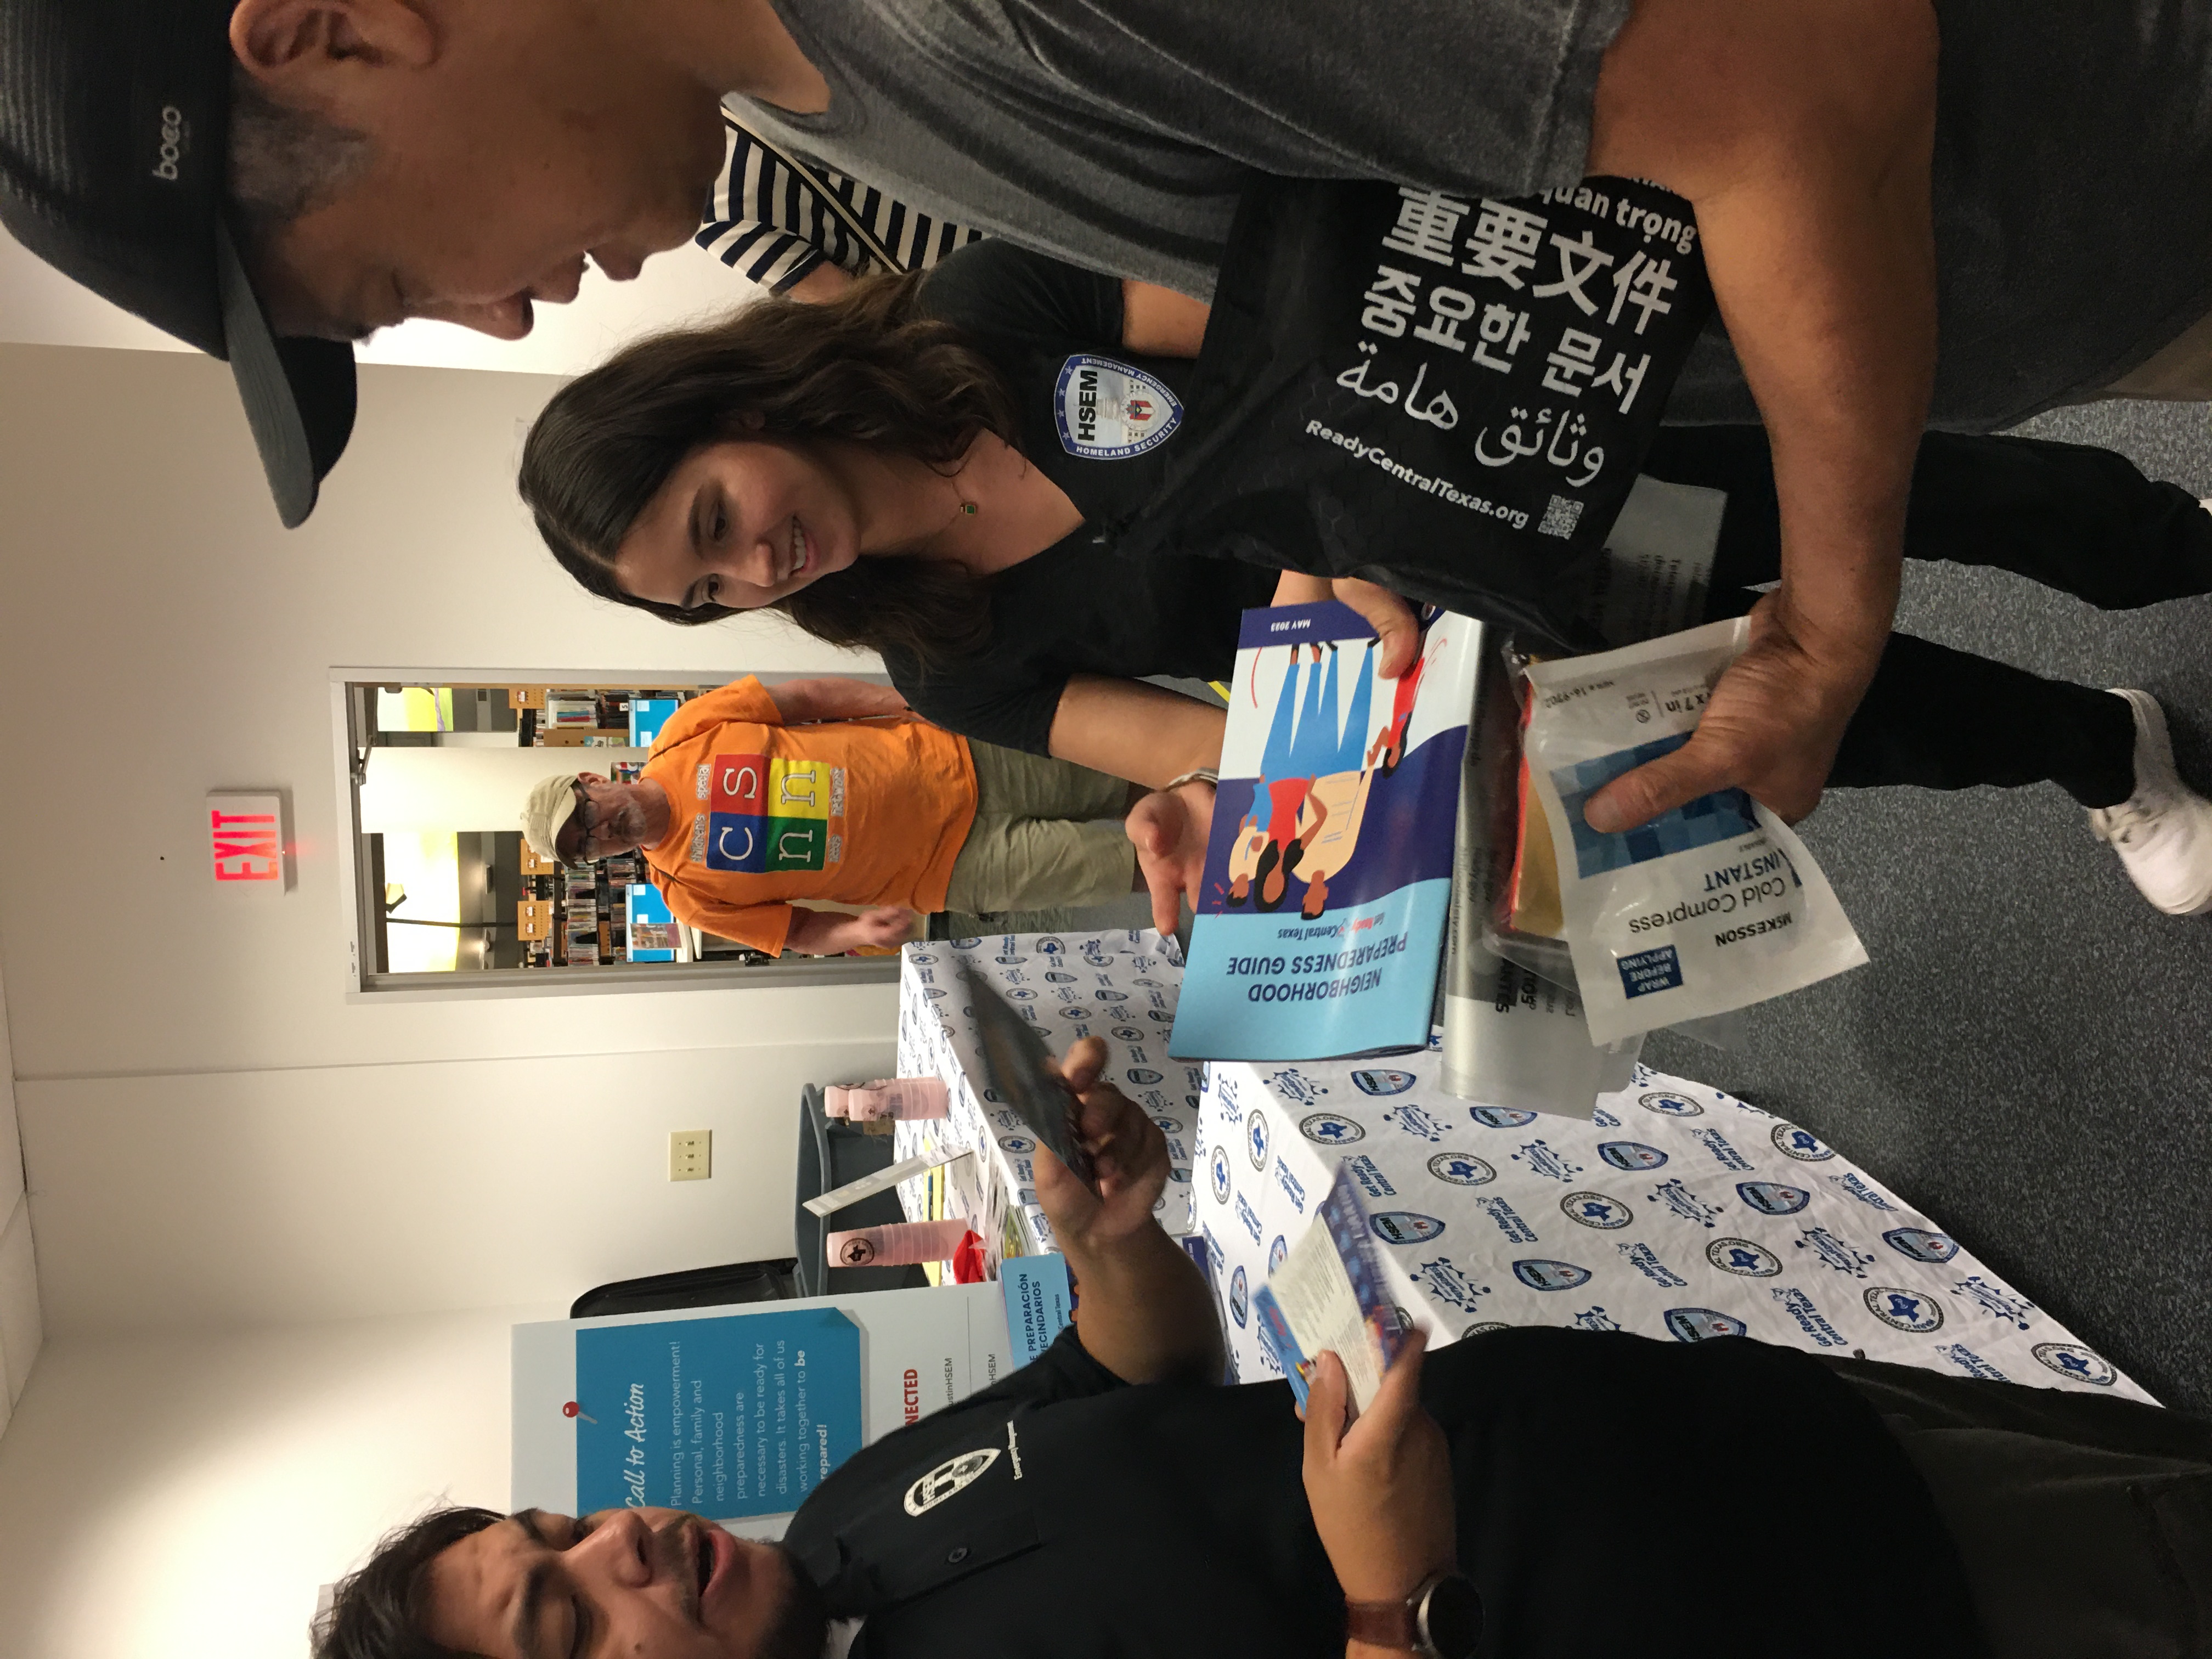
{"x":1053,"y":333}
{"x":1616,"y":1495}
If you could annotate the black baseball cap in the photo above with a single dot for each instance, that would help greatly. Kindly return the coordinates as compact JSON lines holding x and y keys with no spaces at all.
{"x":114,"y":121}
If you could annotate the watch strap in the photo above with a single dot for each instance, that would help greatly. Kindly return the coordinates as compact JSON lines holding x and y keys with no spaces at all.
{"x":1385,"y":1623}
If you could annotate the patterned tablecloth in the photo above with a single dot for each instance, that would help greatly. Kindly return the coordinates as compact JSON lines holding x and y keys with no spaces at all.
{"x":1119,"y":986}
{"x":1677,"y":1212}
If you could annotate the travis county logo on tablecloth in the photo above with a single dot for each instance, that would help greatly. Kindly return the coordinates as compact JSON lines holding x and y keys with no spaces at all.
{"x":1715,"y":1219}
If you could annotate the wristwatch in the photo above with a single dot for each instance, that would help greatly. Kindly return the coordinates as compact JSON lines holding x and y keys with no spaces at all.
{"x":1441,"y":1620}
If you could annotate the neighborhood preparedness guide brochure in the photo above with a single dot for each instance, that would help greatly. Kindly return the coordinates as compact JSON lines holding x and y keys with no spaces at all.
{"x":1321,"y":919}
{"x":738,"y":1413}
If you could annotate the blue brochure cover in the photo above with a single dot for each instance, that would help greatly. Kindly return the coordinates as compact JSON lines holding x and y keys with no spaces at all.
{"x":1327,"y":884}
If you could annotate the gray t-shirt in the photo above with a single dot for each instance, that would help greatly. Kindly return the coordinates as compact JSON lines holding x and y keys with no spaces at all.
{"x":2073,"y":173}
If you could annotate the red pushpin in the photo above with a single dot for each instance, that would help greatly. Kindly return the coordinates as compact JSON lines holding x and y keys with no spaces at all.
{"x":572,"y":1409}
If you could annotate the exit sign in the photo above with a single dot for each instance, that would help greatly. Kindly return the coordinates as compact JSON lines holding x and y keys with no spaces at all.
{"x":245,"y":839}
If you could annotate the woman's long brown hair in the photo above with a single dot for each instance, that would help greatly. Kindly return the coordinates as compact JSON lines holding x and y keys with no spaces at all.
{"x":865,"y":369}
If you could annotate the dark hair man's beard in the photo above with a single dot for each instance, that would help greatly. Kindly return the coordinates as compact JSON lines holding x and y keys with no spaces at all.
{"x":802,"y":1623}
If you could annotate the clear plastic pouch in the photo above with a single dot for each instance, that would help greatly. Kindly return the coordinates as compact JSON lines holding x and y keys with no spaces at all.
{"x":1710,"y":907}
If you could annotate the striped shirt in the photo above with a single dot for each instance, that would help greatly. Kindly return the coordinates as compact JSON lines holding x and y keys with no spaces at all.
{"x":768,"y":221}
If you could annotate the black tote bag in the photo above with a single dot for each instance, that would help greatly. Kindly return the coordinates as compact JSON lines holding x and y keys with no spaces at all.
{"x":1445,"y":394}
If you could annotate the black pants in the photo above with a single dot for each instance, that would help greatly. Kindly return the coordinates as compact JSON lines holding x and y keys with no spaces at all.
{"x":2083,"y":1521}
{"x":2082,"y":520}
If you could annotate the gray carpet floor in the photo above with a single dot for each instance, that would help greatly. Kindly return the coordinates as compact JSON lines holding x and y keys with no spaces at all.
{"x":2029,"y":1058}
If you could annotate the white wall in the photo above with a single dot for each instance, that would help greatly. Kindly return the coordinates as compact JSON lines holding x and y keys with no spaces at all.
{"x":20,"y":1328}
{"x":38,"y":305}
{"x":213,"y":1133}
{"x":185,"y":1496}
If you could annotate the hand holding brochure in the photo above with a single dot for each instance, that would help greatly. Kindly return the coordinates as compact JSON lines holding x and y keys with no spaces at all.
{"x":1710,"y":907}
{"x":1327,"y":880}
{"x":1328,"y":1295}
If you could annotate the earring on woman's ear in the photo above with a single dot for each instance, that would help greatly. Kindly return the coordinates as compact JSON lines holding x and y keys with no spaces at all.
{"x":969,"y":508}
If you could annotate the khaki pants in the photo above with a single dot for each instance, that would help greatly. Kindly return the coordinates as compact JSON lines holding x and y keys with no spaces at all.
{"x":2180,"y":372}
{"x":1047,"y":833}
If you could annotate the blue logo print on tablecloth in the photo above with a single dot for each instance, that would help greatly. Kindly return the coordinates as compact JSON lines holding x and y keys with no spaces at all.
{"x":1292,"y":1084}
{"x":1833,"y":1252}
{"x":1543,"y":1159}
{"x":1255,"y":1138}
{"x":1921,"y":1244}
{"x":1055,"y":977}
{"x":1443,"y":1282}
{"x":2077,"y":1363}
{"x":1170,"y":1126}
{"x":1461,"y":1169}
{"x":1020,"y":1145}
{"x":1631,"y":1155}
{"x":1541,"y":1274}
{"x":1142,"y":1074}
{"x":1678,"y":1197}
{"x":1240,"y":1299}
{"x":1276,"y":1252}
{"x":1597,"y":1319}
{"x":1219,"y":1169}
{"x":1908,"y":1311}
{"x":1405,"y":1227}
{"x":1863,"y":1190}
{"x":1329,"y":1129}
{"x":2008,"y":1307}
{"x":1670,"y":1105}
{"x":1500,"y":1117}
{"x":1383,"y":1082}
{"x":1801,"y":1145}
{"x":1740,"y":1255}
{"x":1417,"y":1121}
{"x":1596,"y":1209}
{"x":1697,"y":1324}
{"x":1770,"y":1198}
{"x":1484,"y":1328}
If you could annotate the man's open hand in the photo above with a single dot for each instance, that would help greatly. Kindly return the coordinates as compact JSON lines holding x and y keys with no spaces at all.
{"x":1128,"y":1161}
{"x":1771,"y":727}
{"x":1170,"y":829}
{"x":1381,"y":1491}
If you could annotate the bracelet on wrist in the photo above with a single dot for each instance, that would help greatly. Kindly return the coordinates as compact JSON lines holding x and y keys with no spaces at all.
{"x":1199,"y":774}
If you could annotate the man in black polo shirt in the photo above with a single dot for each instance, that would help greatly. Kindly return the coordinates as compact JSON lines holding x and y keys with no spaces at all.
{"x":1602,"y":1493}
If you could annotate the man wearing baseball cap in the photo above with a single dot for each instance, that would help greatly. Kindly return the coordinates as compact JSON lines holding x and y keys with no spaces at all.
{"x":462,"y":159}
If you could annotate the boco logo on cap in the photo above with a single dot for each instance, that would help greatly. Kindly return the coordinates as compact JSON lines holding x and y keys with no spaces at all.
{"x":1110,"y":411}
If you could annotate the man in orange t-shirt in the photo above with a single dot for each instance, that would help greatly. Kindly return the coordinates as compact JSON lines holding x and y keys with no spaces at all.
{"x":755,"y":796}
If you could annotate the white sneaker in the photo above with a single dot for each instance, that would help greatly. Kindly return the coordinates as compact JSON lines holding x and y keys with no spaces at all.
{"x":2162,"y":832}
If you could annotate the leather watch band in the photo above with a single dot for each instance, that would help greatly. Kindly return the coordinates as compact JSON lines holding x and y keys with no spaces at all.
{"x":1385,"y":1623}
{"x":1441,"y":1620}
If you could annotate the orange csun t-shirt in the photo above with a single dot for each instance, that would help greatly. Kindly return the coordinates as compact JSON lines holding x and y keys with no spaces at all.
{"x":869,"y":811}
